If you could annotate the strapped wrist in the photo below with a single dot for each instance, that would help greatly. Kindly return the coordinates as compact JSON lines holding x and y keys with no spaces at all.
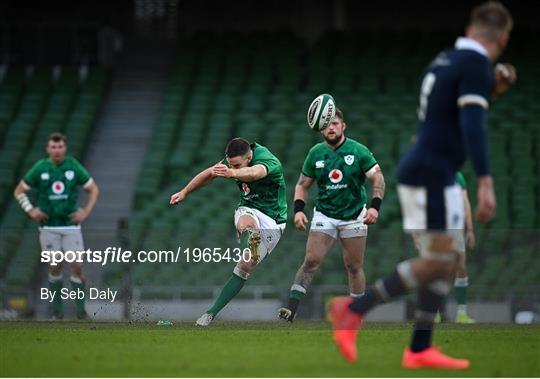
{"x":376,"y":203}
{"x":24,"y":202}
{"x":299,"y":205}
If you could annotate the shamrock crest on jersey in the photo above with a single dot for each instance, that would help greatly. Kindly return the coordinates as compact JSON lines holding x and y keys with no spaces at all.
{"x":340,"y":174}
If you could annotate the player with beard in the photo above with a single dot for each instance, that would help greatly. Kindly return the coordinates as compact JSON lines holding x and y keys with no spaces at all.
{"x":340,"y":167}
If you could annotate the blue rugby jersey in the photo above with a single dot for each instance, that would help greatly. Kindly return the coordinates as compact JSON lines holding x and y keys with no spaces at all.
{"x":448,"y":134}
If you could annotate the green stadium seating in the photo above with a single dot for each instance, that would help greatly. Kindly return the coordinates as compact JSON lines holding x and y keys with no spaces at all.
{"x":224,"y":89}
{"x":39,"y":105}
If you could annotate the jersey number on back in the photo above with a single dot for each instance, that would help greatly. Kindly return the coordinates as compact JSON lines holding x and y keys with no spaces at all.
{"x":427,"y":86}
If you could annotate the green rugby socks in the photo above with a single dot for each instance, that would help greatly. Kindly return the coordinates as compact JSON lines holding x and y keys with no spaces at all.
{"x":55,"y":284}
{"x":296,"y":295}
{"x":229,"y":291}
{"x":460,"y":286}
{"x":78,"y":284}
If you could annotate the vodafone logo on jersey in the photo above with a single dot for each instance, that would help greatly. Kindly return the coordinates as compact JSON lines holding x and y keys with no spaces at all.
{"x":335,"y":176}
{"x":245,"y":188}
{"x":58,"y":187}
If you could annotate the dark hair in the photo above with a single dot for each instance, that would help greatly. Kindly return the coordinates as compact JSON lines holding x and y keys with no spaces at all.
{"x":339,"y":113}
{"x":56,"y":137}
{"x":492,"y":18}
{"x":237,"y":147}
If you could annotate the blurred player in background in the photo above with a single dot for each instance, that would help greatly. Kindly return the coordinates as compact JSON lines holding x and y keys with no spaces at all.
{"x":340,"y":167}
{"x":262,"y":212}
{"x":454,"y":99}
{"x":461,"y":282}
{"x":55,"y":181}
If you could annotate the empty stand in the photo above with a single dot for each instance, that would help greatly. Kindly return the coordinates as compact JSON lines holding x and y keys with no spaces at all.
{"x":259,"y":87}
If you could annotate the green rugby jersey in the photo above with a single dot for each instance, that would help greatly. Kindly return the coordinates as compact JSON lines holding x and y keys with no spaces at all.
{"x":268,"y":194}
{"x":460,"y":179}
{"x":56,"y":188}
{"x":340,"y":176}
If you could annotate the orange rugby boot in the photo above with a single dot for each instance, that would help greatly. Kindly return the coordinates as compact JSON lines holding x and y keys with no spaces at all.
{"x":432,"y":358}
{"x":345,"y":324}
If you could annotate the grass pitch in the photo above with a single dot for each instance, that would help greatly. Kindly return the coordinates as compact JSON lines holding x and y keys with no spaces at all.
{"x":251,"y":350}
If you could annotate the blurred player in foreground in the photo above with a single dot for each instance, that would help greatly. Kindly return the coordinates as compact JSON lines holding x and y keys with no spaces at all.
{"x":55,"y":181}
{"x":260,"y":216}
{"x":340,"y":167}
{"x":454,"y":99}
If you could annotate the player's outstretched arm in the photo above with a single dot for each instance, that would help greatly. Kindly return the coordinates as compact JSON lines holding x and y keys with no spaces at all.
{"x":245,"y":174}
{"x":378,"y":186}
{"x":83,"y":213}
{"x":301,"y":193}
{"x":34,"y":212}
{"x":200,"y":180}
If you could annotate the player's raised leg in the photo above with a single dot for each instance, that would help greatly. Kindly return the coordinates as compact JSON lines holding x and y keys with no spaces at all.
{"x":317,"y":247}
{"x":248,"y":228}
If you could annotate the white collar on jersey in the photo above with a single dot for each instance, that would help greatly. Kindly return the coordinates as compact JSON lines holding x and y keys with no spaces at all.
{"x":470,"y":44}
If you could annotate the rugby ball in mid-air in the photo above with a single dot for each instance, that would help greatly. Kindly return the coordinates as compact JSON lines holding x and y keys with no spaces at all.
{"x":321,"y":111}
